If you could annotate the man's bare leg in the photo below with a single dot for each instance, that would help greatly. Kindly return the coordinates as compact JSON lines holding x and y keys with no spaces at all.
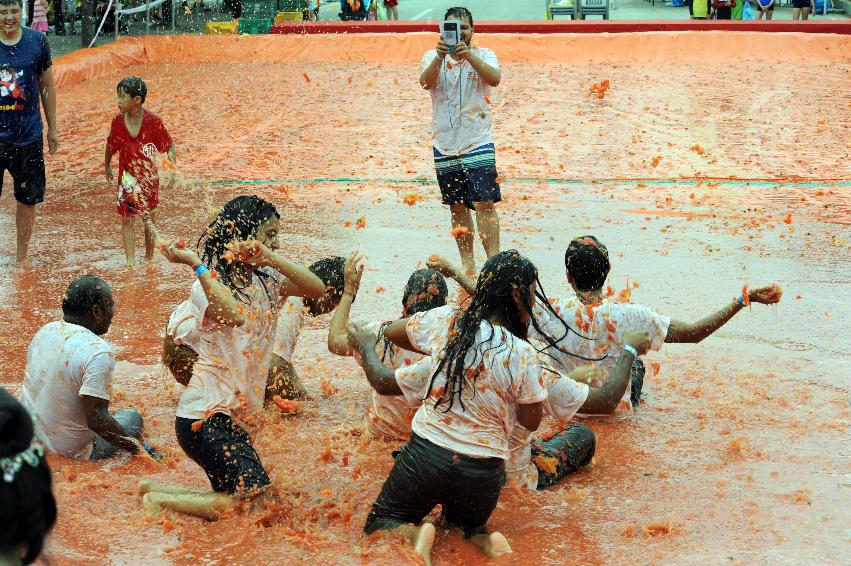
{"x":461,"y":218}
{"x":128,"y":237}
{"x":492,"y":545}
{"x":149,"y":238}
{"x":24,"y":220}
{"x":421,"y":538}
{"x":487,"y":221}
{"x":208,"y":505}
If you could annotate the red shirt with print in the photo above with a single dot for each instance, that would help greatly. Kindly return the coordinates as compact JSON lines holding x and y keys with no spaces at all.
{"x":136,"y":156}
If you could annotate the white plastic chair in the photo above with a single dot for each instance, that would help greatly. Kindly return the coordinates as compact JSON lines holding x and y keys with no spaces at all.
{"x":594,"y":8}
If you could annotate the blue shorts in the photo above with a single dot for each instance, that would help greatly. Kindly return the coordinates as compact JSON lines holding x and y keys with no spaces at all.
{"x":468,"y":178}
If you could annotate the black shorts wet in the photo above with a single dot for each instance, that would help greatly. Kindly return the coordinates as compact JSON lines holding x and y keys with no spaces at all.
{"x":572,"y":448}
{"x":426,"y":475}
{"x":224,"y":451}
{"x":468,"y":178}
{"x":25,"y":163}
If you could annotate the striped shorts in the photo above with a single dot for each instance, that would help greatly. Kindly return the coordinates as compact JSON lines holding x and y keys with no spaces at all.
{"x":468,"y":178}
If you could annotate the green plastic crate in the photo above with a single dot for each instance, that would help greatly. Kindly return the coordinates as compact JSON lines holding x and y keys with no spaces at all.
{"x":292,"y":5}
{"x":259,"y":9}
{"x":255,"y":26}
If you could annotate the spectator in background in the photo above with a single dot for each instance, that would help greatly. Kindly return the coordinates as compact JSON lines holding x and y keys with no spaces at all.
{"x":27,"y":505}
{"x":723,"y":9}
{"x":801,"y":9}
{"x":392,"y":8}
{"x":764,"y":8}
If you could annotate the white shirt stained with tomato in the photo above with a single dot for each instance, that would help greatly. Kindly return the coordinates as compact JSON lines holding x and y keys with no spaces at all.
{"x":463,"y":119}
{"x":504,"y":371}
{"x":564,"y":398}
{"x":290,"y":323}
{"x":605,"y":323}
{"x":233,"y":362}
{"x":389,"y":416}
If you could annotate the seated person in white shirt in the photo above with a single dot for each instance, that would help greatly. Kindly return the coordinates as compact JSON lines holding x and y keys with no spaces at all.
{"x":180,"y":343}
{"x":387,"y":416}
{"x":68,"y":383}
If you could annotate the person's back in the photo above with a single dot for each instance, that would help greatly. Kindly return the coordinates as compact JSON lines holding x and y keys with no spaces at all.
{"x":65,"y":361}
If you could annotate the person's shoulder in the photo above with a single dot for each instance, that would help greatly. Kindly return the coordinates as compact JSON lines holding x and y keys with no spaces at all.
{"x":154,"y":119}
{"x":118,"y":117}
{"x":33,"y":36}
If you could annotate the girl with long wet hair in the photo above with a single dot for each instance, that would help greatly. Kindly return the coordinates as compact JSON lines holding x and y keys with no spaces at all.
{"x":387,"y":416}
{"x":484,"y":378}
{"x":242,"y":281}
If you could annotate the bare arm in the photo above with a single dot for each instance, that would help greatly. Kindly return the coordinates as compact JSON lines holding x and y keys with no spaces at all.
{"x":605,"y":399}
{"x":397,"y":332}
{"x":380,"y":377}
{"x":101,"y":422}
{"x":447,"y":269}
{"x":529,"y":416}
{"x":107,"y":164}
{"x":489,"y":74}
{"x":338,"y":335}
{"x":429,"y":76}
{"x":301,"y":282}
{"x":48,"y":100}
{"x":692,"y":333}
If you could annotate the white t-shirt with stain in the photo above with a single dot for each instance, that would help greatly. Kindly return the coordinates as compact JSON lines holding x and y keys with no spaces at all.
{"x":65,"y":361}
{"x":504,"y":371}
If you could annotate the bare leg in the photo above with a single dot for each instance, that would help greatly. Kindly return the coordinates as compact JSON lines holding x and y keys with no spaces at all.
{"x":492,"y":545}
{"x":768,"y":15}
{"x":796,"y":13}
{"x":394,"y":11}
{"x":128,"y":236}
{"x":421,"y":538}
{"x":805,"y":13}
{"x":149,"y":238}
{"x":487,"y":221}
{"x":461,"y":218}
{"x":208,"y":505}
{"x":24,"y":220}
{"x":146,"y":486}
{"x":284,"y":381}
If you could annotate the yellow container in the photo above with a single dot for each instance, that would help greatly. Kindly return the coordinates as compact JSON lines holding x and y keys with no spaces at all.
{"x":222,"y":28}
{"x":288,"y":17}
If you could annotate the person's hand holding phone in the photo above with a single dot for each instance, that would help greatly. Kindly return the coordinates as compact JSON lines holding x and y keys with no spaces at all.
{"x":442,"y":49}
{"x":461,"y":52}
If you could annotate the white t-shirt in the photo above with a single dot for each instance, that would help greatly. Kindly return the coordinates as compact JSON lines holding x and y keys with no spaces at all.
{"x":605,"y":323}
{"x":290,"y":323}
{"x":389,"y":416}
{"x":233,"y":362}
{"x":460,"y":101}
{"x":181,"y":326}
{"x":65,"y":361}
{"x":505,"y":372}
{"x":564,"y":398}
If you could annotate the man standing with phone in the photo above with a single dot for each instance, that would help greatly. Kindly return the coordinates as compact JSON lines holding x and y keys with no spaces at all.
{"x":460,"y":78}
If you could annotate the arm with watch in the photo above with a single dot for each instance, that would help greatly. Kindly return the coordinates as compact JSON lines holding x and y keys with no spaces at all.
{"x":604,"y":400}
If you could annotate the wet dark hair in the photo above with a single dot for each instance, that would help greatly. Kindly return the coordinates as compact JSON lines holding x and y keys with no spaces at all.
{"x":425,"y":290}
{"x":494,"y":297}
{"x":459,"y":12}
{"x":27,"y":505}
{"x":83,"y":293}
{"x":587,"y":262}
{"x":238,"y":220}
{"x":331,"y":270}
{"x":134,"y":86}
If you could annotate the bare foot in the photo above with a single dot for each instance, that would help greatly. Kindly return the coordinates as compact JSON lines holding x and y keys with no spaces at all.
{"x":150,"y":505}
{"x":424,"y":542}
{"x":492,"y":545}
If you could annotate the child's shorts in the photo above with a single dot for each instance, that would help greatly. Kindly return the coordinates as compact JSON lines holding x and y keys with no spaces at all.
{"x":224,"y":451}
{"x":468,"y":178}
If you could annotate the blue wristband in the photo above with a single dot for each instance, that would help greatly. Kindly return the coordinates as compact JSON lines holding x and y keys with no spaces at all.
{"x":148,"y":449}
{"x":631,"y":350}
{"x":201,"y":270}
{"x":741,"y":300}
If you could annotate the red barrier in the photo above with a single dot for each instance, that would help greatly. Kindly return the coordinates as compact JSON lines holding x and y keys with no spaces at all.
{"x":842,"y":27}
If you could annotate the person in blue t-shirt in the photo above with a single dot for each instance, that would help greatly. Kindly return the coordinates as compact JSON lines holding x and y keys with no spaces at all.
{"x":25,"y":80}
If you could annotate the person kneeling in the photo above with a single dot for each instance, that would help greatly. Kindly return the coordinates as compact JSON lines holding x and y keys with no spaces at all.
{"x":68,"y":383}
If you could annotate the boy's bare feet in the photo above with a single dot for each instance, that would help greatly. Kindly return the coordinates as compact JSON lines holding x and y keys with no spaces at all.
{"x":424,"y":542}
{"x":492,"y":545}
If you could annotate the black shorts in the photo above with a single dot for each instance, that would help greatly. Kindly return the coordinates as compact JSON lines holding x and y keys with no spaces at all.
{"x":724,"y":13}
{"x":468,"y":178}
{"x":26,"y":165}
{"x":224,"y":451}
{"x":426,"y":474}
{"x":572,"y":448}
{"x":800,"y":3}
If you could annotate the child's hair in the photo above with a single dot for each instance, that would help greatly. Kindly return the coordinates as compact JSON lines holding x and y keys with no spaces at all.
{"x":587,"y":262}
{"x":501,"y":275}
{"x":82,"y":294}
{"x":133,"y":86}
{"x":331,"y":270}
{"x":426,"y":289}
{"x":459,"y":12}
{"x":238,"y":220}
{"x":27,"y":505}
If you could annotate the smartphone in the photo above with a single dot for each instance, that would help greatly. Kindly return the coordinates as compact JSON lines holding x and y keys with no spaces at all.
{"x":450,"y":33}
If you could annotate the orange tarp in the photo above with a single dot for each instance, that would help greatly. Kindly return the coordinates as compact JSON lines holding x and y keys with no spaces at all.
{"x":652,"y":48}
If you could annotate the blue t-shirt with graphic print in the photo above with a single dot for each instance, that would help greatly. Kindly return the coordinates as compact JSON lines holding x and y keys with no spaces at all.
{"x":20,"y":67}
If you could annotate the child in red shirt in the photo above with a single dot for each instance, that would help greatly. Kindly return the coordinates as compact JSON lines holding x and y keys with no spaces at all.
{"x":137,"y":136}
